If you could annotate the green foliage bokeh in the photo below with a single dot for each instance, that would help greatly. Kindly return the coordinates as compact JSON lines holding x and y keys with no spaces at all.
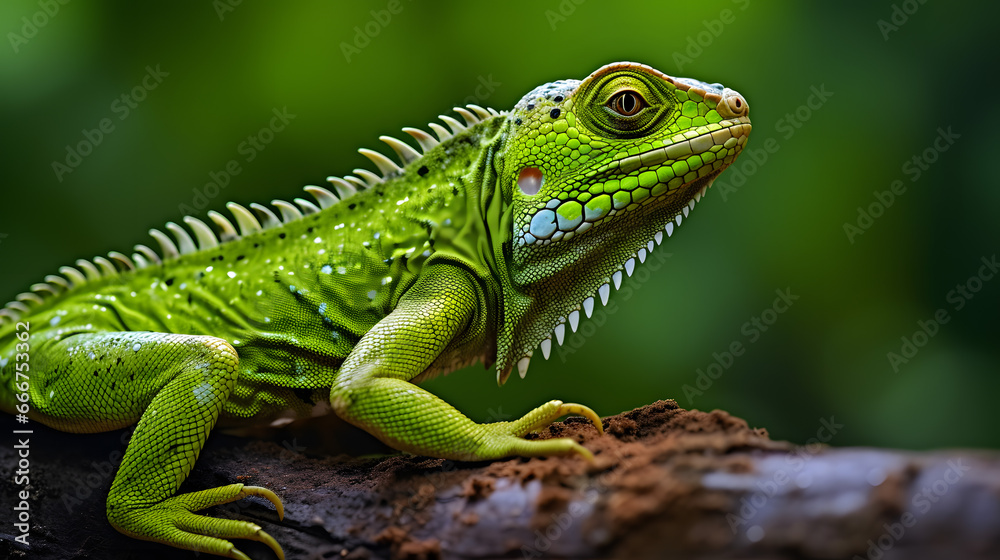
{"x":890,"y":88}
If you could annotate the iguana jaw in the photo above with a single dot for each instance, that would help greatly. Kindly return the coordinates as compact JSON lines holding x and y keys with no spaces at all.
{"x":564,"y":308}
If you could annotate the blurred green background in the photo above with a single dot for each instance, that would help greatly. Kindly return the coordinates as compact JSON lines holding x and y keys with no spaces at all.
{"x":782,"y":227}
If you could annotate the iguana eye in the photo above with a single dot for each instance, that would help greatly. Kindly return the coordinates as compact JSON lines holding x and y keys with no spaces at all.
{"x":627,"y":103}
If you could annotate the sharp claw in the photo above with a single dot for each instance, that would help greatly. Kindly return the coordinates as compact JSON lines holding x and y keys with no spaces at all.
{"x":267,"y":495}
{"x":237,"y":555}
{"x":585,"y":453}
{"x":586,"y":412}
{"x":260,"y":535}
{"x":270,"y":542}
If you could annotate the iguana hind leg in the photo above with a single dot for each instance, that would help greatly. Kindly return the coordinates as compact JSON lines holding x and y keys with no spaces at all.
{"x":373,"y":389}
{"x":174,"y":386}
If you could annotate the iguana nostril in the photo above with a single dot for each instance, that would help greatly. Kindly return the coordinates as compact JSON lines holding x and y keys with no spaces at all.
{"x":530,"y":180}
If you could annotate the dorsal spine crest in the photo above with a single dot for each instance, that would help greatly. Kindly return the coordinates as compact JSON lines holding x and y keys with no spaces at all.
{"x":207,"y":237}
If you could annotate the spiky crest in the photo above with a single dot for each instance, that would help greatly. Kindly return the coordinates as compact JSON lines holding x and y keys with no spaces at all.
{"x":224,"y":231}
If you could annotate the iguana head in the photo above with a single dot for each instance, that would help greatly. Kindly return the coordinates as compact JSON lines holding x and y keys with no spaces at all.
{"x":597,"y":173}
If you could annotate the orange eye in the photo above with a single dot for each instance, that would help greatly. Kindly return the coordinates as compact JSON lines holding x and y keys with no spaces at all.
{"x":627,"y":103}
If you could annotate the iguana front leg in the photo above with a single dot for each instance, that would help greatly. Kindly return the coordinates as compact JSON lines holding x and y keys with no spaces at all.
{"x":373,"y":390}
{"x":175,"y":386}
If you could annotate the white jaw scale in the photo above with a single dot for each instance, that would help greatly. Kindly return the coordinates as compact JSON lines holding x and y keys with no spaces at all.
{"x":604,"y":291}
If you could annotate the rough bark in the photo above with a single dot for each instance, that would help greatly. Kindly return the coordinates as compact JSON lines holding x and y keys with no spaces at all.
{"x":667,"y":483}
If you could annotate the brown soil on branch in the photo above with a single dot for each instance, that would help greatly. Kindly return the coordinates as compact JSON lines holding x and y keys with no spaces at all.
{"x":665,"y":483}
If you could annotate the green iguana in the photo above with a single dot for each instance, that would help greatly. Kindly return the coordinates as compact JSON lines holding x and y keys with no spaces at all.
{"x":481,"y":245}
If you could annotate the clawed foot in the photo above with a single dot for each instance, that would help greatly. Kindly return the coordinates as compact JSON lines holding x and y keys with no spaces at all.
{"x":506,"y":438}
{"x":173,"y":522}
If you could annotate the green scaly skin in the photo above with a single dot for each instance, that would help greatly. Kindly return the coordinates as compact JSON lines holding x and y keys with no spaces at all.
{"x":481,"y":248}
